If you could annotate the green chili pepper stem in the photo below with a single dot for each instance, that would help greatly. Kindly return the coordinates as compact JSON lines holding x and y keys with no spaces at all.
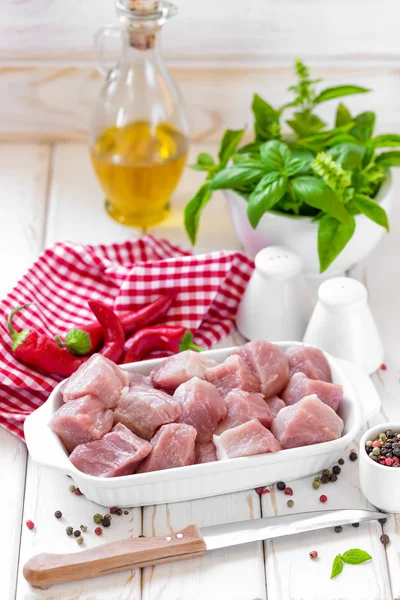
{"x":18,"y":337}
{"x":59,"y":342}
{"x":187,"y":343}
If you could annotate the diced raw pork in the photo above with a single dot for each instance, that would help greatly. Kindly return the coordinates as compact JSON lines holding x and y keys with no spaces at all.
{"x":244,"y":406}
{"x":118,"y":453}
{"x":275,"y":404}
{"x":233,"y":374}
{"x":83,"y":420}
{"x":202,"y":407}
{"x":300,"y":385}
{"x":180,"y":368}
{"x":206,"y":453}
{"x":143,"y":410}
{"x":309,"y":421}
{"x":99,"y":377}
{"x":137,"y":379}
{"x":268,"y":363}
{"x":310,"y":361}
{"x":245,"y":440}
{"x":173,"y":446}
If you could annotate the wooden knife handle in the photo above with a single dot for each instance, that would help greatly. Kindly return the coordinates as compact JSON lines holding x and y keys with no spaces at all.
{"x":46,"y":569}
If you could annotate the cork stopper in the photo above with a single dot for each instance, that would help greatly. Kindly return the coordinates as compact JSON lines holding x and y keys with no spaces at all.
{"x":143,"y":6}
{"x":143,"y":18}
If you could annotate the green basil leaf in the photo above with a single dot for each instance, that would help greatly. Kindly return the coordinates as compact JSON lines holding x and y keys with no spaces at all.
{"x":342,"y":138}
{"x":314,"y":192}
{"x":266,"y":119}
{"x":305,"y":124}
{"x":368,"y":156}
{"x":338,"y":92}
{"x":194,"y":209}
{"x":205,"y":162}
{"x":389,"y":159}
{"x":386,"y":140}
{"x":275,"y":156}
{"x":235,"y":175}
{"x":252,"y":148}
{"x":268,"y":192}
{"x":349,"y":156}
{"x":229,"y":143}
{"x":332,"y":238}
{"x":364,"y":126}
{"x":337,"y":566}
{"x":371,"y":209}
{"x":356,"y":556}
{"x":298,"y":165}
{"x":343,"y":115}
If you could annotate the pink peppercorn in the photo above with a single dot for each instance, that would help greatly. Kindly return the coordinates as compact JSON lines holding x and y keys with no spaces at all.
{"x":383,"y":367}
{"x":113,"y":510}
{"x":323,"y":498}
{"x":98,"y":531}
{"x":395,"y":459}
{"x":30,"y":524}
{"x":377,"y":444}
{"x":78,"y":492}
{"x":288,"y":491}
{"x":259,"y":490}
{"x":313,"y":554}
{"x":389,"y":462}
{"x":266,"y":491}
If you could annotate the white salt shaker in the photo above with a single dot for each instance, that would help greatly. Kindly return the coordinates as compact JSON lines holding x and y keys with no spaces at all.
{"x":276,"y":305}
{"x":342,"y":324}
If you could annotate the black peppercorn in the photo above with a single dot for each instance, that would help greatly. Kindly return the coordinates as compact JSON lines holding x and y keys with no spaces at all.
{"x":385,"y":539}
{"x":336,"y":470}
{"x":389,"y":433}
{"x":338,"y":528}
{"x":105,"y":522}
{"x":324,"y":478}
{"x":382,"y":521}
{"x":281,"y":485}
{"x":58,"y":514}
{"x":333,"y":477}
{"x":341,"y":461}
{"x":356,"y":524}
{"x":77,"y":533}
{"x":353,"y":456}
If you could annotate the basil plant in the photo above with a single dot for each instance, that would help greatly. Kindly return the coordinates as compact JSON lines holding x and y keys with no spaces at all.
{"x":300,"y":167}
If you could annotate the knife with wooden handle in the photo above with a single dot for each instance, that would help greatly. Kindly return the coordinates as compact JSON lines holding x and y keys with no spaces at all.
{"x":44,"y":570}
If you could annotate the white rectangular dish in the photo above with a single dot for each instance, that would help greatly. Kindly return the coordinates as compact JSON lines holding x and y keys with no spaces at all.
{"x":360,"y":402}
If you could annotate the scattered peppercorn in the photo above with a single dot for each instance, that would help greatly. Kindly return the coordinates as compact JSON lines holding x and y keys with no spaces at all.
{"x":72,"y":488}
{"x":107,"y":516}
{"x":353,"y":456}
{"x":313,"y":554}
{"x":383,"y":367}
{"x":317,"y":479}
{"x":382,"y":521}
{"x":105,"y":522}
{"x":290,"y":503}
{"x":98,"y":531}
{"x":281,"y":485}
{"x":78,"y":492}
{"x":356,"y":524}
{"x":316,"y":485}
{"x":83,"y":528}
{"x":323,"y":498}
{"x":69,"y":530}
{"x":58,"y":514}
{"x":77,"y":533}
{"x":265,"y":491}
{"x":30,"y":524}
{"x":326,"y":472}
{"x":341,"y":461}
{"x":126,"y":512}
{"x":385,"y":539}
{"x":98,"y":518}
{"x":333,"y":477}
{"x":119,"y":511}
{"x":113,"y":509}
{"x":259,"y":490}
{"x":79,"y":540}
{"x":336,"y":470}
{"x":338,"y":529}
{"x":288,"y":491}
{"x":324,"y":478}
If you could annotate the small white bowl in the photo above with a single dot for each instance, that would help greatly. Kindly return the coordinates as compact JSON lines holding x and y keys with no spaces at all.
{"x":380,"y":484}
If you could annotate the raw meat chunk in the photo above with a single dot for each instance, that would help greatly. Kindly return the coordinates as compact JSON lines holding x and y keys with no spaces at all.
{"x":143,"y":410}
{"x":173,"y":446}
{"x":98,"y":377}
{"x":300,"y":385}
{"x":180,"y":368}
{"x":137,"y":379}
{"x":205,"y":453}
{"x":81,"y":421}
{"x":233,"y":374}
{"x":202,"y":407}
{"x":245,"y":440}
{"x":310,"y":361}
{"x":309,"y":421}
{"x":268,"y":363}
{"x":275,"y":404}
{"x":244,"y":406}
{"x":118,"y":453}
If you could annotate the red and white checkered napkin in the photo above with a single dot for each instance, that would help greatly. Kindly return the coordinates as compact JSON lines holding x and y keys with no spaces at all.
{"x":125,"y":276}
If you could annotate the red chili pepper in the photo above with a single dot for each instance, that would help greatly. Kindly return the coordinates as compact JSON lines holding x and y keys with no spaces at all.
{"x":159,"y":337}
{"x":114,"y":336}
{"x":41,"y":351}
{"x":86,"y":339}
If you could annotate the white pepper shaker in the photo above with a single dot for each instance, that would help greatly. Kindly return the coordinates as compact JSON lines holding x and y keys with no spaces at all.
{"x":342,"y":324}
{"x":276,"y":305}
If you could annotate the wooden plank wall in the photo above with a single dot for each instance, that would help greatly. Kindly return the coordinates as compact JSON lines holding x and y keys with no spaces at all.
{"x":220,"y":53}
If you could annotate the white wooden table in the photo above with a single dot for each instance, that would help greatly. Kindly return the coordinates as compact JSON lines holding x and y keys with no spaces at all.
{"x":48,"y":193}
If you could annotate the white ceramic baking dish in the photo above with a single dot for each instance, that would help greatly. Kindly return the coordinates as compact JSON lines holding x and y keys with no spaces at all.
{"x":360,"y":402}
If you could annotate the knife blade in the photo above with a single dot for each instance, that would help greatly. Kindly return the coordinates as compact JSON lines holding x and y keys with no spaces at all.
{"x":191,"y":542}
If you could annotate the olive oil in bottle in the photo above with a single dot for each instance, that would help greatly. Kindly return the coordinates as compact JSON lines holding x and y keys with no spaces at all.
{"x":138,"y":169}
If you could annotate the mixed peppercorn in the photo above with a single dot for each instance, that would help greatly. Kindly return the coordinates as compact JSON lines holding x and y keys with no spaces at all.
{"x":385,"y":449}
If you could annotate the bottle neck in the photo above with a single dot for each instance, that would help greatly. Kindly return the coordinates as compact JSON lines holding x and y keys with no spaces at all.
{"x":143,"y":47}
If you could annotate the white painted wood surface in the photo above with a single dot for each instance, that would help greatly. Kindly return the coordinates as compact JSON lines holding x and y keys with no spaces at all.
{"x":63,"y":201}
